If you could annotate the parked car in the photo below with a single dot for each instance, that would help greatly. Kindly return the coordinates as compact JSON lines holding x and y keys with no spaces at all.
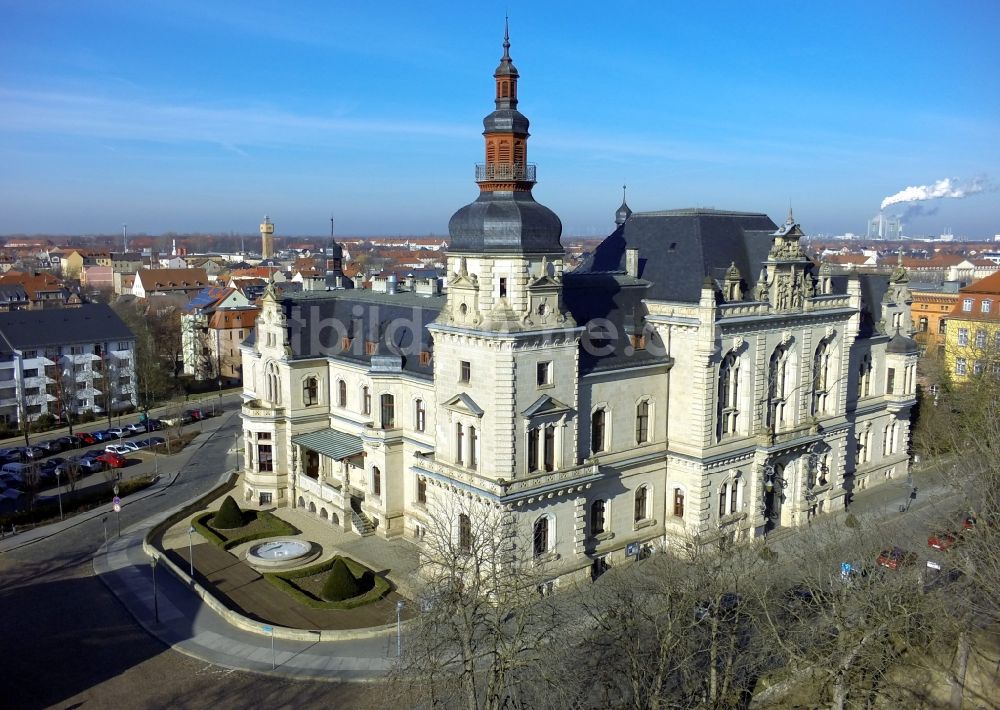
{"x":942,"y":540}
{"x":86,"y":438}
{"x":895,"y":558}
{"x":69,"y":442}
{"x":112,"y":459}
{"x":156,"y":440}
{"x":727,"y":605}
{"x":52,"y":446}
{"x":82,"y":464}
{"x":195,"y":414}
{"x":34,"y":453}
{"x":118,"y":432}
{"x":153,"y":425}
{"x":117,"y":449}
{"x":133,"y":445}
{"x":51,"y":464}
{"x":100,"y":436}
{"x":136,"y":427}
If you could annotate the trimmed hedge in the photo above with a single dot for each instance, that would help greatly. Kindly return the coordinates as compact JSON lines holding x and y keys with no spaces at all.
{"x":227,"y":539}
{"x":78,"y":501}
{"x":285,"y":581}
{"x":229,"y":515}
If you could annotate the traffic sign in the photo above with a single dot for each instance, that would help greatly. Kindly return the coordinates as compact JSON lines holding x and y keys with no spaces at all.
{"x":116,"y":489}
{"x":268,"y":629}
{"x":632,"y":549}
{"x":117,"y":503}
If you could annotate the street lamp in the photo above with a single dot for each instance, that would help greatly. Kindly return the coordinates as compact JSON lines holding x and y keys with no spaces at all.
{"x":59,"y":492}
{"x":156,"y":602}
{"x":191,"y":550}
{"x":399,"y":629}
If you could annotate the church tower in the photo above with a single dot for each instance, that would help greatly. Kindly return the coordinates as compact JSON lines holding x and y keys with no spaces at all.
{"x":267,"y":238}
{"x":505,"y":348}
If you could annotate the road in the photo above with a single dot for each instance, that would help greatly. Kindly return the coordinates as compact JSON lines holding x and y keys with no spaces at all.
{"x":66,"y":641}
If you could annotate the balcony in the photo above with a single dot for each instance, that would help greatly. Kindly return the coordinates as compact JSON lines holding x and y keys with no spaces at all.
{"x":259,"y":408}
{"x":322,"y":490}
{"x":505,"y":172}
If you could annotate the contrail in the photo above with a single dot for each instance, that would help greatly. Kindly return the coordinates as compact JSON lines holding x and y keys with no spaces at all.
{"x":947,"y":187}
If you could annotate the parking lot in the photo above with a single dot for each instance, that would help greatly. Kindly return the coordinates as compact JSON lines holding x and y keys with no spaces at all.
{"x":49,"y":467}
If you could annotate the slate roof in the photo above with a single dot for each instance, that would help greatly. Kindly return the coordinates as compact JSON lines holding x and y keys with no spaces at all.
{"x":88,"y":323}
{"x":319,"y":320}
{"x":505,"y":222}
{"x":678,"y":248}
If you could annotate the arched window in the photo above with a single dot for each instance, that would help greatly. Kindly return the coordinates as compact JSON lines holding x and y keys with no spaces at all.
{"x":597,"y":517}
{"x":733,"y":495}
{"x":366,"y":400}
{"x":419,"y":415}
{"x":464,"y":533}
{"x":641,"y":503}
{"x":865,"y":376}
{"x":376,"y":481}
{"x":310,"y":391}
{"x":459,"y":442}
{"x":729,"y":395}
{"x":678,"y":503}
{"x":541,"y":537}
{"x":723,"y":498}
{"x":642,"y":422}
{"x":777,"y":388}
{"x":341,"y":393}
{"x":821,"y":378}
{"x":388,"y":406}
{"x":473,"y":442}
{"x":597,"y":431}
{"x":273,"y":383}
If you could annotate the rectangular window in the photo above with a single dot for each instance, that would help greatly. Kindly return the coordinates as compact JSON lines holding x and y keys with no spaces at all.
{"x":544,"y":374}
{"x":264,"y":462}
{"x":30,"y":354}
{"x":459,"y":443}
{"x":967,"y":304}
{"x":421,"y":490}
{"x":503,"y":287}
{"x":977,"y":367}
{"x":550,"y":448}
{"x":986,"y":305}
{"x":942,"y":326}
{"x":980,"y":338}
{"x":465,"y":371}
{"x":678,"y":503}
{"x":890,"y":380}
{"x":960,"y":366}
{"x":963,"y":336}
{"x":76,"y":350}
{"x":533,"y":449}
{"x":425,"y":357}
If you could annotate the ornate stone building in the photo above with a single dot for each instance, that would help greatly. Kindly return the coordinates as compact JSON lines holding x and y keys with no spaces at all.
{"x":697,"y":377}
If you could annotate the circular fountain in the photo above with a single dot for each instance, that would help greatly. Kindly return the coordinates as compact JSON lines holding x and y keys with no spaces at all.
{"x":275,"y":554}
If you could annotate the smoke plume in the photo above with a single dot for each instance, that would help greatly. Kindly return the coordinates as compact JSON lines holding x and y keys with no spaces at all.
{"x":947,"y":187}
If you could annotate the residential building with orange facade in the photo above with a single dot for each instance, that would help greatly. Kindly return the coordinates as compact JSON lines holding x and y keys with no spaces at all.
{"x":930,"y":309}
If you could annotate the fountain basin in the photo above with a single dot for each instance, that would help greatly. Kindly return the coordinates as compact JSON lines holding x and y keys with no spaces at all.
{"x":282,"y":553}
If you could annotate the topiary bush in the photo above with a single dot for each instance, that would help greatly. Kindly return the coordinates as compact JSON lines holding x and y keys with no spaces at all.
{"x":340,"y":584}
{"x":367,"y":581}
{"x":229,"y":515}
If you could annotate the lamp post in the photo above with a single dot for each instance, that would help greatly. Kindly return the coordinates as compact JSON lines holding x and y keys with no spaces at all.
{"x":399,"y":629}
{"x":191,"y":550}
{"x":59,"y":492}
{"x":156,"y":602}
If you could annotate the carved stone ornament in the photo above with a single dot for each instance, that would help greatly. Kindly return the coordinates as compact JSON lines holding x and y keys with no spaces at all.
{"x":786,"y":337}
{"x":738,"y":342}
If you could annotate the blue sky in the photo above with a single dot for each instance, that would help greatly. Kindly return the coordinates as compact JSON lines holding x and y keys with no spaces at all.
{"x":193,"y":115}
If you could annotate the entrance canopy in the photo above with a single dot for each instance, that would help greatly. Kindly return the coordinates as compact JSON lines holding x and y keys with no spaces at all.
{"x":331,"y":443}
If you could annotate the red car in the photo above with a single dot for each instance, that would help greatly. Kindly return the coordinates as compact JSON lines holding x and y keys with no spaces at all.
{"x":895,"y":558}
{"x":113,"y":460}
{"x":942,"y":540}
{"x":86,"y":437}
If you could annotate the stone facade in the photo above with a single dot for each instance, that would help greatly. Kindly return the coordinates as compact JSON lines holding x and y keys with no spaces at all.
{"x":697,"y":378}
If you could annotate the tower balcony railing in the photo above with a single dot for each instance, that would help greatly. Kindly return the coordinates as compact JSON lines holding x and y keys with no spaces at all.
{"x":490,"y":172}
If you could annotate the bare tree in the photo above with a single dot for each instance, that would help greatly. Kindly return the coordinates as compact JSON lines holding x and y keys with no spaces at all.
{"x":483,"y":627}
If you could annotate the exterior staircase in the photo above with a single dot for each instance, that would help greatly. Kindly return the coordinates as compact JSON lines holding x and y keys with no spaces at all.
{"x":362,"y":523}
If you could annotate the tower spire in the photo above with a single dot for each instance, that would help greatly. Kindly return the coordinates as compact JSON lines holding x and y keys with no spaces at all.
{"x":623,"y":213}
{"x":506,"y":37}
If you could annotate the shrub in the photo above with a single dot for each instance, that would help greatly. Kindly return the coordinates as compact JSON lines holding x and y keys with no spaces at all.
{"x":229,"y":515}
{"x":367,"y":581}
{"x":340,"y":584}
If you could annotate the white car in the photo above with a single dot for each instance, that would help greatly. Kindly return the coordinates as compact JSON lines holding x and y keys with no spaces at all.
{"x":120,"y":449}
{"x":136,"y":427}
{"x":133,"y":445}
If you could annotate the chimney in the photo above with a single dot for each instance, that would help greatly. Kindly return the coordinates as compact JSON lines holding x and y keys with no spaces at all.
{"x":632,"y":262}
{"x":391,"y":284}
